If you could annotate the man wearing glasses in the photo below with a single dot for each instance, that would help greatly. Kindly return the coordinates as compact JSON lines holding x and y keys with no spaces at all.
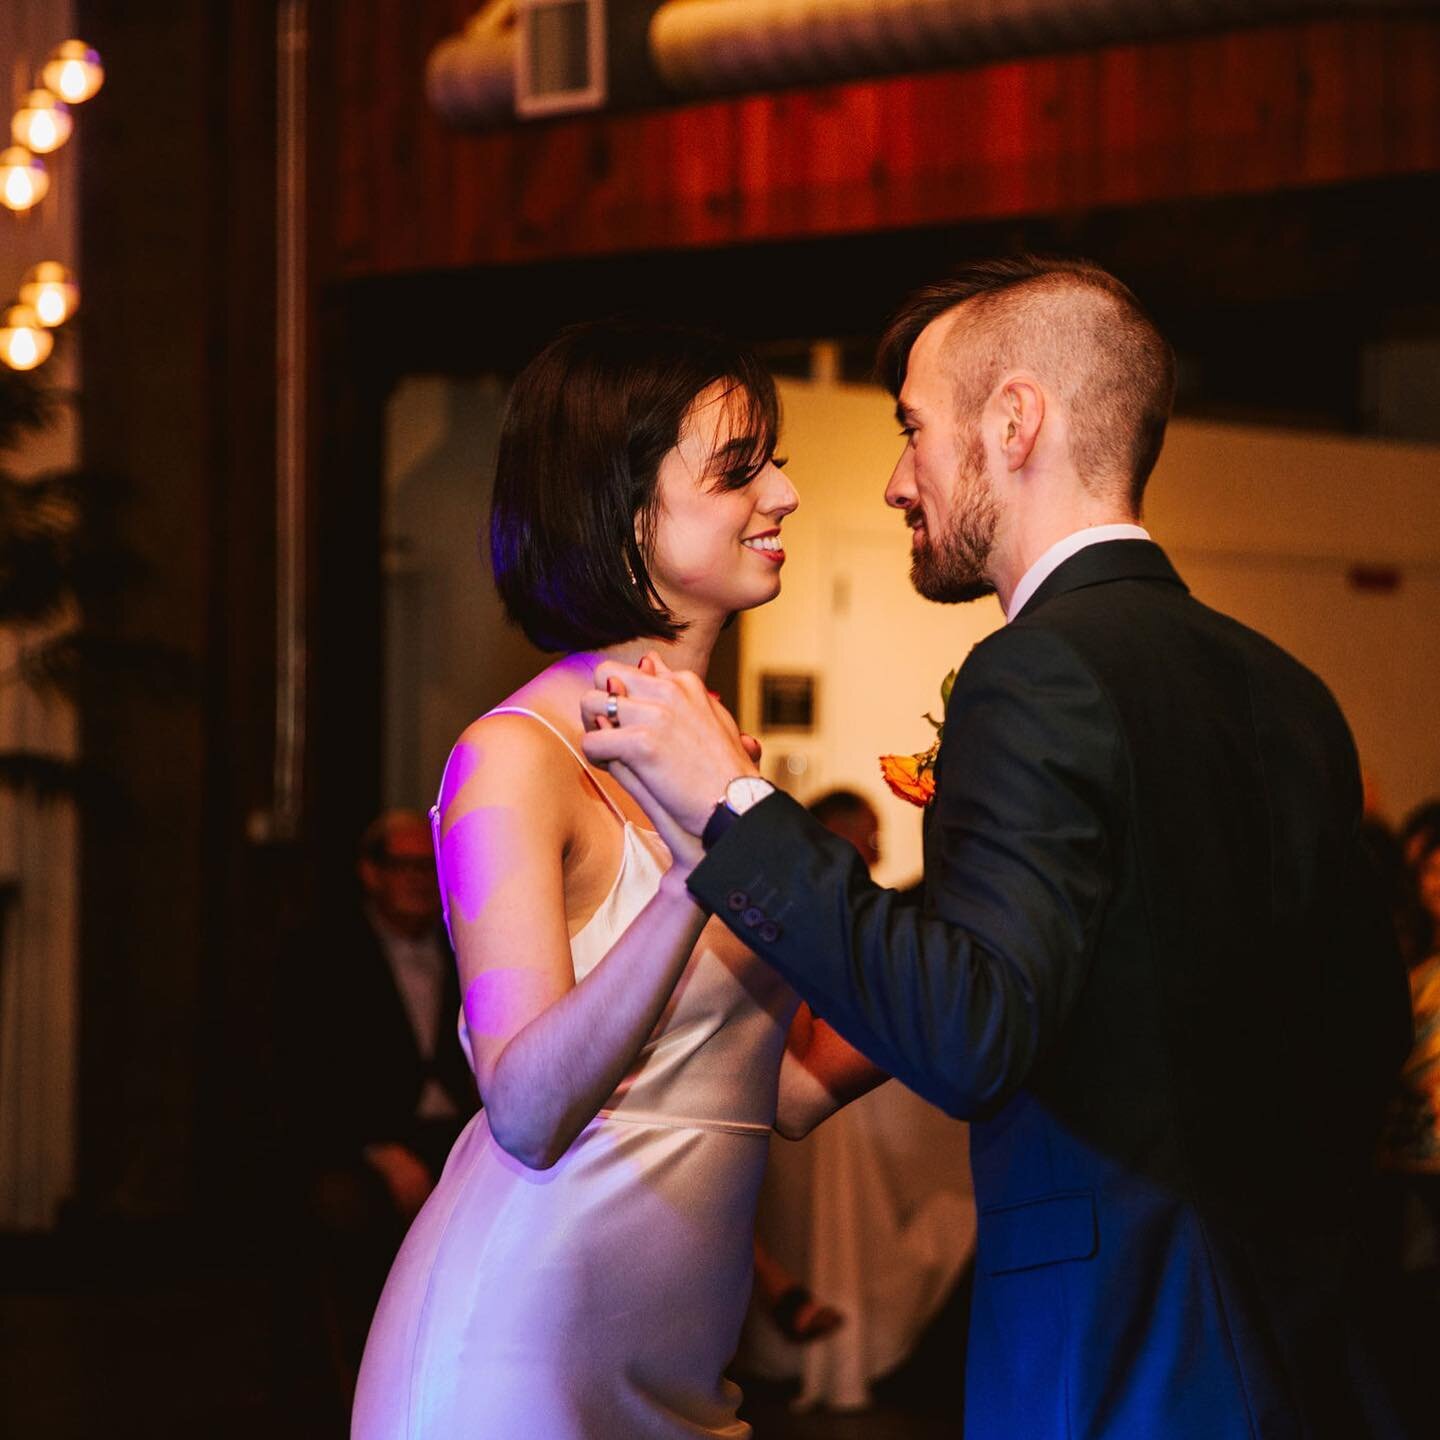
{"x":381,"y":1088}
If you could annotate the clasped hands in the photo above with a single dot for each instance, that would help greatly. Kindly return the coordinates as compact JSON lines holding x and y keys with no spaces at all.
{"x":671,"y":744}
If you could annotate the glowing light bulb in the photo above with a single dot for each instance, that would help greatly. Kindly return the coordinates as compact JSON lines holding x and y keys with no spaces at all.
{"x":73,"y":72}
{"x":42,"y":123}
{"x":50,"y":290}
{"x":23,"y":181}
{"x":24,"y":342}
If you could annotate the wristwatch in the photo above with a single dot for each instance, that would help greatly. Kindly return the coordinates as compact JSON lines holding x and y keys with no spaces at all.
{"x":741,"y":794}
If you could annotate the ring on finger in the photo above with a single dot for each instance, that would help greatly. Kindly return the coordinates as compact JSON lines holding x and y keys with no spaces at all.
{"x":612,"y":709}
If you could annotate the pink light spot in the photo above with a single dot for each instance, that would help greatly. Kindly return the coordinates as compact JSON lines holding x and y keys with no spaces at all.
{"x":463,"y":762}
{"x":475,"y":858}
{"x":501,"y":1001}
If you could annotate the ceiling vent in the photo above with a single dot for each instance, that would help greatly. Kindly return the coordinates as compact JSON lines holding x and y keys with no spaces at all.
{"x":559,"y":56}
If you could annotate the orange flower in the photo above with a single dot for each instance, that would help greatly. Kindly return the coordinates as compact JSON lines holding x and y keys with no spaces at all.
{"x":911,"y":777}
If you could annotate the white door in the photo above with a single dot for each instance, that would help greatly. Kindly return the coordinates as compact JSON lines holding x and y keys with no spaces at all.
{"x":887,"y":652}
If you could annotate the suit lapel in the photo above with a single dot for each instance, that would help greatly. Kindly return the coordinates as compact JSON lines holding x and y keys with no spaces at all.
{"x":1094,"y":565}
{"x":1099,"y":565}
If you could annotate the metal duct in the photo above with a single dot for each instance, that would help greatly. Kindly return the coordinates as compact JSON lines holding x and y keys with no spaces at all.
{"x":470,"y":78}
{"x":704,"y":47}
{"x":707,"y":47}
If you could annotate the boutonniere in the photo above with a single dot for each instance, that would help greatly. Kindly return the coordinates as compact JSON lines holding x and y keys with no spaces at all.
{"x":912,"y":777}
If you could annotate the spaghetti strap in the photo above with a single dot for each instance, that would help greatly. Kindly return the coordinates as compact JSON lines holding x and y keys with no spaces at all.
{"x":435,"y":839}
{"x":580,"y":760}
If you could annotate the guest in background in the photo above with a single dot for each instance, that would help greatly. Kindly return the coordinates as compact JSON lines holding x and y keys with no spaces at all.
{"x":1421,"y":828}
{"x":1392,"y":875}
{"x":380,"y":1085}
{"x":1415,"y":922}
{"x":851,"y":816}
{"x":875,"y":1213}
{"x":798,"y":1315}
{"x":1427,"y":884}
{"x":1408,"y":1211}
{"x":1386,"y":852}
{"x":1412,"y":1141}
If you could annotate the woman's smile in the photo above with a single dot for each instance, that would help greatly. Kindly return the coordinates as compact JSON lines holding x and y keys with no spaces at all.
{"x":766,"y":543}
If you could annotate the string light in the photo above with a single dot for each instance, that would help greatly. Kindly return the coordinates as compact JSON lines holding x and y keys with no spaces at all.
{"x":23,"y":181}
{"x":49,"y":295}
{"x":73,"y":72}
{"x":24,"y":341}
{"x":49,"y":289}
{"x":42,"y":124}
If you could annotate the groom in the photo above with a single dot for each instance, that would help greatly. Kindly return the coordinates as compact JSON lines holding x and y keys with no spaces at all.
{"x":1148,"y":966}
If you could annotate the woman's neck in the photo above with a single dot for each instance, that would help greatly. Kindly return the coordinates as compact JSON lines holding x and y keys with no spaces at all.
{"x":690,"y":650}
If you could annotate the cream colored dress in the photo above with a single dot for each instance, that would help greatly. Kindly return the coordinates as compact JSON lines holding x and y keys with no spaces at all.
{"x":600,"y":1299}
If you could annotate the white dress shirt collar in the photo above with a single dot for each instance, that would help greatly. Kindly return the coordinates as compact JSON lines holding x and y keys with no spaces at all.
{"x":1060,"y":552}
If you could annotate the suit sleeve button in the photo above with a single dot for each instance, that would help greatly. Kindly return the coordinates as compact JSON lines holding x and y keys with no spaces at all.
{"x":737,"y":900}
{"x":769,"y":932}
{"x":753,"y":916}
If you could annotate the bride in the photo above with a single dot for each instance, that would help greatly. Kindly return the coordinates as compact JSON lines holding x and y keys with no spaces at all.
{"x":582,"y":1268}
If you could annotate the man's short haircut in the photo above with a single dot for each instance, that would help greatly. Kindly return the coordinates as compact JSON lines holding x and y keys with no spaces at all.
{"x":839,"y":804}
{"x":587,"y":424}
{"x":1077,"y":327}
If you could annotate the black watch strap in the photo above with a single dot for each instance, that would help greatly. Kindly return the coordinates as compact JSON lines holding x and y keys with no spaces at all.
{"x":722,"y":817}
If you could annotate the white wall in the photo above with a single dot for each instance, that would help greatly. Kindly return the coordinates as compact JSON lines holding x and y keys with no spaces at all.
{"x":449,"y":652}
{"x":1262,"y":524}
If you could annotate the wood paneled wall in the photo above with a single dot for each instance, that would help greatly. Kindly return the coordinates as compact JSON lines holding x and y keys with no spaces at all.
{"x":1243,"y":112}
{"x":179,"y":911}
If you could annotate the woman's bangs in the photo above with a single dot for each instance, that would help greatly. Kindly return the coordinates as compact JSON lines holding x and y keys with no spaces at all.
{"x":753,"y":416}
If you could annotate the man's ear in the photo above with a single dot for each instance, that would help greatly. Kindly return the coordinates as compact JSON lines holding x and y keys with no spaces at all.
{"x":1022,"y":413}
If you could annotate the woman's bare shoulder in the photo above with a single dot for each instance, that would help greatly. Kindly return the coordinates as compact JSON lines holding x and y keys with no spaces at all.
{"x":509,"y":756}
{"x":496,"y":753}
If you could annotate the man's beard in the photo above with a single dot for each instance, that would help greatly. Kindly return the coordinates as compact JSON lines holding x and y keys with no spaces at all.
{"x":950,"y":566}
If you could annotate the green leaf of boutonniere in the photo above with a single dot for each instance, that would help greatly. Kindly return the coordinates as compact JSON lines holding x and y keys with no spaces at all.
{"x":912,"y":777}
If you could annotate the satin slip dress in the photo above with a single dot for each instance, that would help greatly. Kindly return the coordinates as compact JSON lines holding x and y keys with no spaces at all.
{"x":600,"y":1299}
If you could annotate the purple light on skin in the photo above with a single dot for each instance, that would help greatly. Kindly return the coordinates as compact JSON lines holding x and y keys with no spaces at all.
{"x":472,"y":860}
{"x":500,"y":1001}
{"x":464,"y":761}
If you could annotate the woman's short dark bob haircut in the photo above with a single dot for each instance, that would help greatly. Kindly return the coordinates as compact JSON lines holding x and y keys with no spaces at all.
{"x":587,"y":424}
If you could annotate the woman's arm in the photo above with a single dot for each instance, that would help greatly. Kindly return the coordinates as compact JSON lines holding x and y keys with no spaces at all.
{"x":548,"y":1052}
{"x":821,"y":1073}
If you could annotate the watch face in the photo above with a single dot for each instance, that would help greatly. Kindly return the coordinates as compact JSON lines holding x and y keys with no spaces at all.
{"x":746,"y":791}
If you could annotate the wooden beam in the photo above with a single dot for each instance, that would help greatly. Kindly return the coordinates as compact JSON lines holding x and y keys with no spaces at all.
{"x":1243,"y":112}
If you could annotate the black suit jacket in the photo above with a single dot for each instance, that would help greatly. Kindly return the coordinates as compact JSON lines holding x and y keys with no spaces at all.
{"x":356,"y":1071}
{"x":1150,"y":968}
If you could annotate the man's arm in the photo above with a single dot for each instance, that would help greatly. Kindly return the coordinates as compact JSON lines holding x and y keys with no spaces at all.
{"x":959,"y":997}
